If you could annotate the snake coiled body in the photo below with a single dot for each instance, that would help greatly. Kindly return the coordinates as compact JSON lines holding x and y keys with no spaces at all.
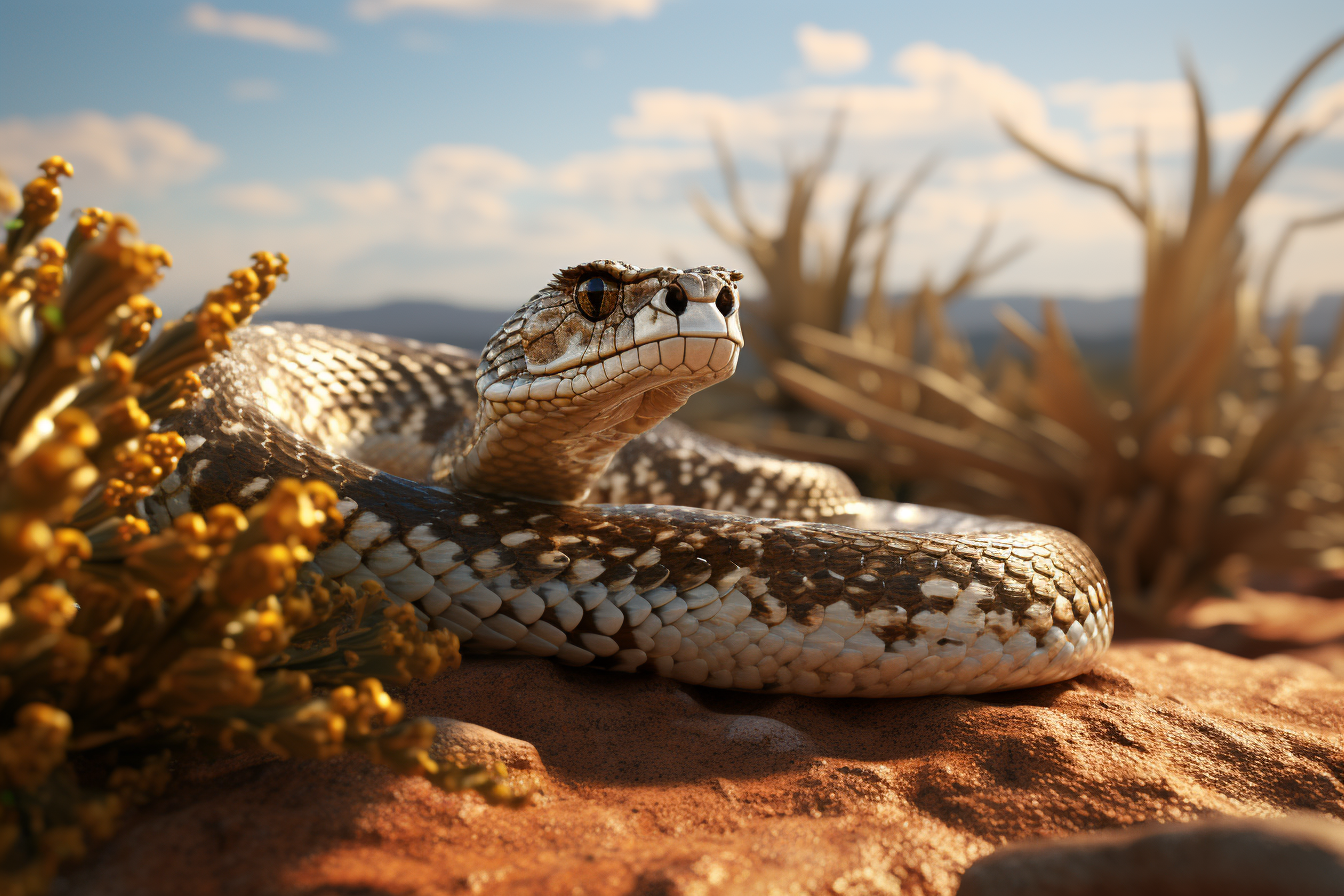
{"x":468,"y":482}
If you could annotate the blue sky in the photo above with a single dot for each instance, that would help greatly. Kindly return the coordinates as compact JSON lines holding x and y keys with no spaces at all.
{"x":467,"y":148}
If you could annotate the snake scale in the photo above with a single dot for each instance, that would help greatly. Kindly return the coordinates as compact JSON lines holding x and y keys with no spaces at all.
{"x":530,"y":499}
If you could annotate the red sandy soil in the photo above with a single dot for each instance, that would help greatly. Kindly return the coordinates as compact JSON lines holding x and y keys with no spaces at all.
{"x":1259,"y":622}
{"x":651,"y":787}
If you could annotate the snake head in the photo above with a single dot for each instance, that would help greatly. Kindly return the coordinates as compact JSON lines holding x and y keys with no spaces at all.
{"x":603,"y":353}
{"x":605,"y":324}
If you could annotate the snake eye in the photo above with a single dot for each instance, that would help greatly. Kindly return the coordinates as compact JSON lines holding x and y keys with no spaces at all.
{"x":596,"y":298}
{"x":725,"y":302}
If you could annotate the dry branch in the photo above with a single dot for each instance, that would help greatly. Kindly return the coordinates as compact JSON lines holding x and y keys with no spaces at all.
{"x":1227,"y":445}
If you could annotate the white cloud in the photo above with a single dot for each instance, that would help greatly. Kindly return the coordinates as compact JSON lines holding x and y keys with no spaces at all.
{"x":256,"y":28}
{"x":452,"y":179}
{"x":260,"y":199}
{"x":1312,"y":265}
{"x":628,"y":173}
{"x":1326,"y":110}
{"x":598,"y":10}
{"x":471,"y":222}
{"x":479,"y":223}
{"x":470,"y":183}
{"x":951,"y":97}
{"x":450,"y":198}
{"x":1164,"y":112}
{"x":1237,"y":125}
{"x":142,"y":153}
{"x":371,"y":195}
{"x":1161,"y":105}
{"x":254,"y":90}
{"x":459,"y":185}
{"x":832,"y":52}
{"x":997,"y":168}
{"x":671,"y":113}
{"x":971,"y":84}
{"x":1161,"y":110}
{"x":1321,"y":181}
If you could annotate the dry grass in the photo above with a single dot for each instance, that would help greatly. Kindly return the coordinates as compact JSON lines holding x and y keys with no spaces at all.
{"x":1227,"y":450}
{"x":808,"y":287}
{"x":808,"y":279}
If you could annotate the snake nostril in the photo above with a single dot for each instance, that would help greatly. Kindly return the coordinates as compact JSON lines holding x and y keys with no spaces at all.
{"x":676,"y":300}
{"x":725,"y":302}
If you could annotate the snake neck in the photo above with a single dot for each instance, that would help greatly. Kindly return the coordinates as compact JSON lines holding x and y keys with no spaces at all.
{"x":548,"y":456}
{"x":559,"y":393}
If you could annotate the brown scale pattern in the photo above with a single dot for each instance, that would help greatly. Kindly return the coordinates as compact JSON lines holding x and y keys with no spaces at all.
{"x":382,"y":401}
{"x":1039,"y":577}
{"x":673,"y":464}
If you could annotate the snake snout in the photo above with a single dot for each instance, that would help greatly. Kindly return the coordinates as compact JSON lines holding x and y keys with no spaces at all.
{"x":702,"y":319}
{"x":702,"y":306}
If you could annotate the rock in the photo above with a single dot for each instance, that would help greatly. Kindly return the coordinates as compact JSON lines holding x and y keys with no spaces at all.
{"x":1295,"y":856}
{"x":651,"y":786}
{"x":467,"y":743}
{"x":459,"y":740}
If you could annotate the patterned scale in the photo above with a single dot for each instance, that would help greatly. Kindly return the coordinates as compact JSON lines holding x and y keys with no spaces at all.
{"x":729,"y":599}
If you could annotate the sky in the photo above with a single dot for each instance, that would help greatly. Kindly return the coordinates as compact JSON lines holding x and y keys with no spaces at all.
{"x":466,"y":149}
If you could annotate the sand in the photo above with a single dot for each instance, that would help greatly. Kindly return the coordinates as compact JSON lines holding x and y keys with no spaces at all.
{"x":649,"y":786}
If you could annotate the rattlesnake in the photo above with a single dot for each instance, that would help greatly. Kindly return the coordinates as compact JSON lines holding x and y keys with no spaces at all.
{"x":478,"y":505}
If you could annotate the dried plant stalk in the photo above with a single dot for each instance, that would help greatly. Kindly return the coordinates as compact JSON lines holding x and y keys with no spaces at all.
{"x":805,"y":281}
{"x":1227,"y":448}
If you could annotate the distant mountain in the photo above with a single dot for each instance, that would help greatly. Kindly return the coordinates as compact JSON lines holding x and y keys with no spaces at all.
{"x":1318,"y":324}
{"x":1109,"y":319}
{"x":1103,"y":330}
{"x":1086,"y":318}
{"x":1104,"y":326}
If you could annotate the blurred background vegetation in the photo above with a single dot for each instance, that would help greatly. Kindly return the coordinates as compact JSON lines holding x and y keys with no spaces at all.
{"x":1215,"y":449}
